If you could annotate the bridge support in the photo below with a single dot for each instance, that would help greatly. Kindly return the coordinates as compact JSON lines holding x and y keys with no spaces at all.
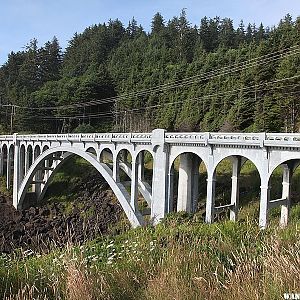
{"x":188,"y":182}
{"x":235,"y":190}
{"x":9,"y":168}
{"x":160,"y":176}
{"x":264,"y":204}
{"x":211,"y":189}
{"x":286,"y":194}
{"x":134,"y":184}
{"x":16,"y":170}
{"x":1,"y":163}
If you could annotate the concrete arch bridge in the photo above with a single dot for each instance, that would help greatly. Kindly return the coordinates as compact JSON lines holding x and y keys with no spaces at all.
{"x":30,"y":161}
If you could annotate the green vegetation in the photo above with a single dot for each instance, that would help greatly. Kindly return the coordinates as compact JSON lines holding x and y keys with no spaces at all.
{"x":181,"y":258}
{"x":108,"y":60}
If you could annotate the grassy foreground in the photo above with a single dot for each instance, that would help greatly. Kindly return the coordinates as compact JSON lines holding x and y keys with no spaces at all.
{"x":181,"y":258}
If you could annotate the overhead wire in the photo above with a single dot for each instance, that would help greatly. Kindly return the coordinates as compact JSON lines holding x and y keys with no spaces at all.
{"x":180,"y":83}
{"x":246,"y":90}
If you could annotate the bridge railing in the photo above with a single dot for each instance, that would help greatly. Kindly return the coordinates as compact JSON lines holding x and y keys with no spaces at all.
{"x":214,"y":138}
{"x":6,"y":137}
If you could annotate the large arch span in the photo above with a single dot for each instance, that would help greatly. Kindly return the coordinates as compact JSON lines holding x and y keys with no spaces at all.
{"x":122,"y":195}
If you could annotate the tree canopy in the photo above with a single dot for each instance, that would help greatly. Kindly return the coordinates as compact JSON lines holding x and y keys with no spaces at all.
{"x":209,"y":77}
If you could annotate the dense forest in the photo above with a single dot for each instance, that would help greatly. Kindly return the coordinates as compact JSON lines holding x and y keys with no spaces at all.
{"x":209,"y":77}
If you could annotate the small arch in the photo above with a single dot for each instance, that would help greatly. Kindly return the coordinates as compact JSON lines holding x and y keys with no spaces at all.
{"x":106,"y":157}
{"x":46,"y":147}
{"x":145,"y":163}
{"x":22,"y":161}
{"x":284,"y":185}
{"x":92,"y":151}
{"x":124,"y":159}
{"x":4,"y":153}
{"x":10,"y":165}
{"x":187,"y":183}
{"x":236,"y":184}
{"x":37,"y":152}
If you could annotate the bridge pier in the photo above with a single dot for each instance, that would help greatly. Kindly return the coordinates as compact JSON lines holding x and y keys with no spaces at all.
{"x":141,"y":165}
{"x":170,"y":199}
{"x":286,"y":194}
{"x":264,"y":204}
{"x":134,"y":184}
{"x":116,"y":169}
{"x":1,"y":163}
{"x":16,"y":170}
{"x":211,"y":189}
{"x":160,"y":176}
{"x":188,"y":181}
{"x":235,"y":189}
{"x":9,"y":168}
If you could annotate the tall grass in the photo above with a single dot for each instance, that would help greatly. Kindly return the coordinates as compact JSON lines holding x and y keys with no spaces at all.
{"x":178,"y":259}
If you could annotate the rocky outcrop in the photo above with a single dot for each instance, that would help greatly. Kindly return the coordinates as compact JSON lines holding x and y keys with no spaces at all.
{"x":91,"y":214}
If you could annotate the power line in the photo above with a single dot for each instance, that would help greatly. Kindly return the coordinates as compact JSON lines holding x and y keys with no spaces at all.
{"x":270,"y":57}
{"x":245,"y":90}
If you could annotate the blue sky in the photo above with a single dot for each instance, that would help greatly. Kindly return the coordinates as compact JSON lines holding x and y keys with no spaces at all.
{"x":22,"y":20}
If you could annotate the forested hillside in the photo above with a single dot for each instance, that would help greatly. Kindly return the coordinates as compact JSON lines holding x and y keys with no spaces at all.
{"x":209,"y":77}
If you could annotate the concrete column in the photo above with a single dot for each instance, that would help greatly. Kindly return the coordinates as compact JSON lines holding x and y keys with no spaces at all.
{"x":17,"y":171}
{"x":195,"y":181}
{"x":211,"y":190}
{"x":134,"y":184}
{"x":141,"y":165}
{"x":46,"y":171}
{"x":211,"y":194}
{"x":170,"y":204}
{"x":160,"y":176}
{"x":116,"y":168}
{"x":184,"y":199}
{"x":235,"y":189}
{"x":264,"y":204}
{"x":27,"y":161}
{"x":1,"y":163}
{"x":264,"y":190}
{"x":22,"y":165}
{"x":286,"y":193}
{"x":9,"y":169}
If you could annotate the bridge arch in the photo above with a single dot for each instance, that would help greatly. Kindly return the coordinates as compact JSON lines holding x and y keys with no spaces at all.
{"x":255,"y":160}
{"x":184,"y":185}
{"x":229,"y":171}
{"x":283,"y":184}
{"x":134,"y":217}
{"x":4,"y":156}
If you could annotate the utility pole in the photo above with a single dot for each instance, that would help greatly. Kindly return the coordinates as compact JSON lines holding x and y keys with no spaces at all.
{"x":13,"y":112}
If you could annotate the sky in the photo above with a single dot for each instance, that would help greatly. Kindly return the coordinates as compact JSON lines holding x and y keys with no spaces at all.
{"x":23,"y":20}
